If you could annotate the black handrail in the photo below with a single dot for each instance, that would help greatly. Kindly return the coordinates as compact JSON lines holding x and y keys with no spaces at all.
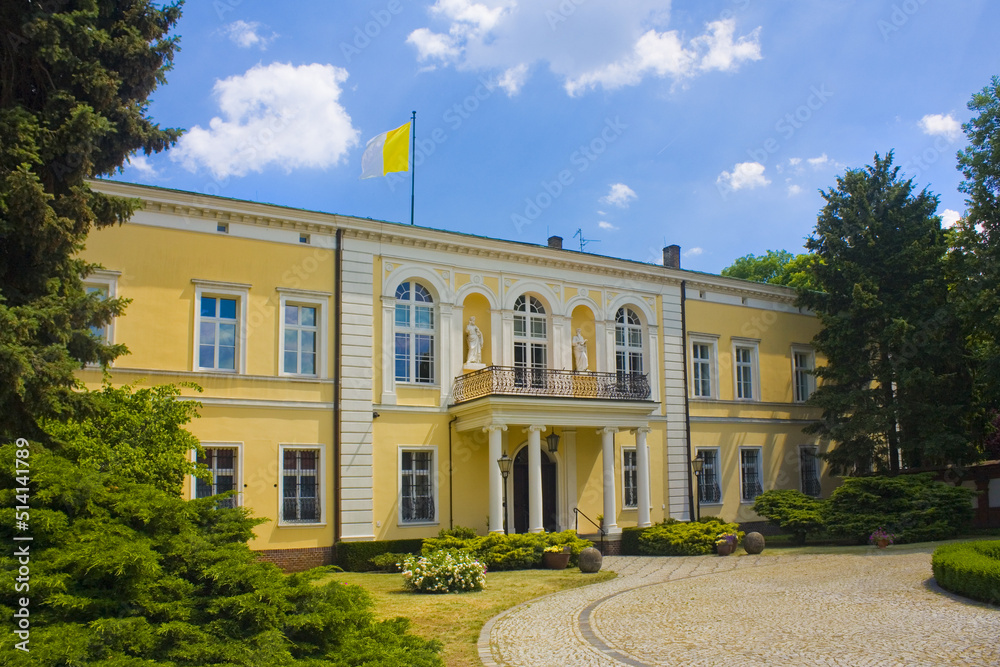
{"x":576,"y":526}
{"x":527,"y":381}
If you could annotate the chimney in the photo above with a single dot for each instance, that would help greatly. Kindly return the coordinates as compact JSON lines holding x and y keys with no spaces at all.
{"x":672,"y":257}
{"x":555,"y":242}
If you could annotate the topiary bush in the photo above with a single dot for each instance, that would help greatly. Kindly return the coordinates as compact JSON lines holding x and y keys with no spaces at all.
{"x":971,"y":569}
{"x":675,"y":538}
{"x":388,"y":562}
{"x":357,"y":556}
{"x":630,"y":540}
{"x":914,"y":508}
{"x":509,"y":552}
{"x":445,"y":571}
{"x":792,"y":511}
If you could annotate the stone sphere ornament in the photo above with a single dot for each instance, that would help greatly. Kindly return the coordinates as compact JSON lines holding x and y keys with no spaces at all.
{"x":753,"y":543}
{"x":590,"y":560}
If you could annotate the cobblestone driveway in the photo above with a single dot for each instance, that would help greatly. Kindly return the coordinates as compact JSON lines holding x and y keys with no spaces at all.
{"x":872,"y":608}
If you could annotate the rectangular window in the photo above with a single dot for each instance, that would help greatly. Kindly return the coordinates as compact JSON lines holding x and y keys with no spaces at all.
{"x":745,"y":363}
{"x":300,"y":485}
{"x":629,"y":478}
{"x":709,"y":491}
{"x":750,"y":474}
{"x":220,"y":326}
{"x":104,"y":284}
{"x":701,"y":370}
{"x":301,"y":334}
{"x":222,"y":464}
{"x":809,"y":471}
{"x":803,"y":380}
{"x":416,"y":486}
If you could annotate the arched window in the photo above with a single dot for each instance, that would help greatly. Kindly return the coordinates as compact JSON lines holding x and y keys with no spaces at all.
{"x":628,"y":341}
{"x":414,"y":334}
{"x":531,"y":339}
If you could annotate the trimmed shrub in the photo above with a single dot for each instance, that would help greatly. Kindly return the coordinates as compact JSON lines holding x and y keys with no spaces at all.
{"x":461,"y":532}
{"x":445,"y":571}
{"x":914,"y":508}
{"x":388,"y":562}
{"x":357,"y":556}
{"x":630,"y":540}
{"x":971,"y":569}
{"x":792,"y":511}
{"x":684,"y":539}
{"x":510,"y":552}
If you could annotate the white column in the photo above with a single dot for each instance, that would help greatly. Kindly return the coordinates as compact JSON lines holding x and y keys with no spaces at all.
{"x":388,"y":351}
{"x":497,"y":340}
{"x":642,"y":475}
{"x":535,"y":524}
{"x":608,"y":456}
{"x":568,"y":475}
{"x":506,"y":357}
{"x":450,"y":336}
{"x":562,"y":353}
{"x":496,"y":479}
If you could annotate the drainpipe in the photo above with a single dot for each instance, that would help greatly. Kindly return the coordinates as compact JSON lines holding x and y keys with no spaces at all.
{"x":687,"y":404}
{"x":451,"y":478}
{"x":338,"y":301}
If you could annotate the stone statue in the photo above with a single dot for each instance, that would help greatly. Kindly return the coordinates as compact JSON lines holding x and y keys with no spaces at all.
{"x":580,"y":351}
{"x":474,"y":337}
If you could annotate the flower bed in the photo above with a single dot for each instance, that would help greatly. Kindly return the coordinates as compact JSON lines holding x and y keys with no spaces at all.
{"x":445,"y":571}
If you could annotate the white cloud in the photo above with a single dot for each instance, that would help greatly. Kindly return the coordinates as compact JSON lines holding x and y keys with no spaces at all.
{"x":693,"y":252}
{"x":246,"y":35}
{"x":794,"y":190}
{"x":512,"y":80}
{"x":620,"y":195}
{"x":949,"y":217}
{"x":794,"y":160}
{"x":141,"y":164}
{"x":584,"y":44}
{"x":940,"y":124}
{"x":278,"y":115}
{"x":817,"y":162}
{"x":745,"y":175}
{"x":603,"y":224}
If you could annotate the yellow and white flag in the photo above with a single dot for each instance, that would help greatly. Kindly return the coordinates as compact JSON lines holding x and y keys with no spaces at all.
{"x":389,"y":151}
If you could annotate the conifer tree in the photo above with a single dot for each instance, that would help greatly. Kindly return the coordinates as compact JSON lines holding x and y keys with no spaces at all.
{"x":75,"y":78}
{"x":895,"y":387}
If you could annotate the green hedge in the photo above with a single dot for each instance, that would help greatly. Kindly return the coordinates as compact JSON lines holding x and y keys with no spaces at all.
{"x":971,"y":569}
{"x":630,"y":541}
{"x":509,"y":552}
{"x":356,"y":556}
{"x":674,"y":538}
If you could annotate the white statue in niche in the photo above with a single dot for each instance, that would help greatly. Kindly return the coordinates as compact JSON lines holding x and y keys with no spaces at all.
{"x":580,"y":351}
{"x":474,"y":337}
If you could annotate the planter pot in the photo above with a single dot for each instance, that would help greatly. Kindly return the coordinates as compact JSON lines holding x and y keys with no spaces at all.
{"x":725,"y":548}
{"x":555,"y":561}
{"x":882,"y":544}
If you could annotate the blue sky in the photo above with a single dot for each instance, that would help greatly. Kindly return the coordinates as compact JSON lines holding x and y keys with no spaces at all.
{"x":711,"y":125}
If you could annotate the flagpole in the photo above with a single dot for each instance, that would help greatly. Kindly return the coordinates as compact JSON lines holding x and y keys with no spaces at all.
{"x":413,"y":166}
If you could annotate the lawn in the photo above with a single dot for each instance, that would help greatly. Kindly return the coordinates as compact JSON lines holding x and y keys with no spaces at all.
{"x":455,"y":619}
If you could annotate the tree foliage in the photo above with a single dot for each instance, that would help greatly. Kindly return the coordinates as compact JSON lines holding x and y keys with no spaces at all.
{"x":76,"y":80}
{"x":792,"y":511}
{"x":895,"y":386}
{"x":777,"y":267}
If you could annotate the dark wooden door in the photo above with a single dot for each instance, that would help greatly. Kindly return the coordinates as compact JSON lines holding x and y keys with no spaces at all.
{"x":521,"y":492}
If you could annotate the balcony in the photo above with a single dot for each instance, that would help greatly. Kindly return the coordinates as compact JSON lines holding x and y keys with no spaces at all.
{"x":507,"y":381}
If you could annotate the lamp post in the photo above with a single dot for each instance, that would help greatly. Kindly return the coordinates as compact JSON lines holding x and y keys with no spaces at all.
{"x":505,"y":462}
{"x":698,"y":466}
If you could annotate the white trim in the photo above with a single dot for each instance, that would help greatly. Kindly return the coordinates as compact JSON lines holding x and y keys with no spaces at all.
{"x":435,"y":481}
{"x":321,"y":492}
{"x":713,"y":363}
{"x":321,"y":302}
{"x":239,"y":291}
{"x":237,"y":474}
{"x":621,"y":459}
{"x":752,"y":345}
{"x":108,"y":280}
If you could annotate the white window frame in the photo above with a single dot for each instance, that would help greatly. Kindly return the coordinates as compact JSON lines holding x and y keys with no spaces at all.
{"x":318,"y":300}
{"x":627,"y":350}
{"x":237,"y":474}
{"x":760,"y":473}
{"x":713,"y":362}
{"x":435,"y":333}
{"x":810,"y":450}
{"x":625,"y":450}
{"x":212,"y":289}
{"x":435,"y":485}
{"x":809,"y":377}
{"x":321,"y":491}
{"x":752,"y":346}
{"x":108,"y":281}
{"x":718,"y":474}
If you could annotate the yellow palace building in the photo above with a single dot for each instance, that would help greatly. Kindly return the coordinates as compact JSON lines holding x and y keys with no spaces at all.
{"x":361,"y":379}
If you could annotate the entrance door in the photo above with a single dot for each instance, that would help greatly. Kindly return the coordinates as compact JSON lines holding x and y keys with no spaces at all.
{"x":521,"y":492}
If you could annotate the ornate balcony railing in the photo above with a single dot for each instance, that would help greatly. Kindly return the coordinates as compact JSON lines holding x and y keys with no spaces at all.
{"x":507,"y":381}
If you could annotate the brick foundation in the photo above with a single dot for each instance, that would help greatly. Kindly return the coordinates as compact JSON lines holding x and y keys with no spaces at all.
{"x":297,"y":560}
{"x":612,"y":544}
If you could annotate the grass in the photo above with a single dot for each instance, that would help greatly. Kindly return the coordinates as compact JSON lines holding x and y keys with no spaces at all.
{"x":455,"y":619}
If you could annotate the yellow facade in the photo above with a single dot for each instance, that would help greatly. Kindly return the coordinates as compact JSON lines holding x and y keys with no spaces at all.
{"x":397,"y":425}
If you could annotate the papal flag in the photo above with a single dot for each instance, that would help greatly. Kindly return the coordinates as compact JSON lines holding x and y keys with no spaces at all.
{"x":387,"y":152}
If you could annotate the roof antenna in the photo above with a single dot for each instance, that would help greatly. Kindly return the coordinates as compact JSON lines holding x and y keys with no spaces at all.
{"x":583,"y":241}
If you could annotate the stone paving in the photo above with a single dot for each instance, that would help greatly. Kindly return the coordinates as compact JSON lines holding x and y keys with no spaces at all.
{"x":870,"y":608}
